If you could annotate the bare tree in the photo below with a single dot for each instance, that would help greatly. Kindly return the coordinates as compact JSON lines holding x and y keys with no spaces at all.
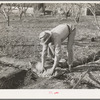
{"x":23,"y":7}
{"x":62,"y":10}
{"x":41,"y":7}
{"x":67,"y":9}
{"x":93,"y":7}
{"x":2,"y":10}
{"x":6,"y":10}
{"x":77,"y":8}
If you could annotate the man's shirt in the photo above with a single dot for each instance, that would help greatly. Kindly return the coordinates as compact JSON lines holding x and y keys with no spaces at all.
{"x":59,"y":34}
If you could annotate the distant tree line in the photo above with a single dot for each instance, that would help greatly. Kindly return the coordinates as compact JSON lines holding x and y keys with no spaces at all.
{"x":58,"y":9}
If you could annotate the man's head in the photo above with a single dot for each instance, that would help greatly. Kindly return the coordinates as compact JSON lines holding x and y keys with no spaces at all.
{"x":45,"y":36}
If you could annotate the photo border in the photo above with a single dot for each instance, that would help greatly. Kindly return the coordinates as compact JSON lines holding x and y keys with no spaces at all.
{"x":81,"y":94}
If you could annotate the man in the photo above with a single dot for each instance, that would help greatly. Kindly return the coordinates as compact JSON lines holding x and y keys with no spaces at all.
{"x":51,"y":41}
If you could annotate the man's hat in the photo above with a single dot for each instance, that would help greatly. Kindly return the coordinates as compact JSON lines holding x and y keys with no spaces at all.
{"x":45,"y":36}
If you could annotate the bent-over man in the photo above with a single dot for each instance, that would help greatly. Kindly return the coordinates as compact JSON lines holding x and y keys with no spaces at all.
{"x":51,"y":41}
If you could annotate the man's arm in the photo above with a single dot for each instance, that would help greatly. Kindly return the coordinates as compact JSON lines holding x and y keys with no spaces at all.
{"x":44,"y":53}
{"x":57,"y":43}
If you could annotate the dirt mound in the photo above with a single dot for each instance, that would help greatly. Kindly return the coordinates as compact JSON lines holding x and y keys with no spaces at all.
{"x":14,"y":73}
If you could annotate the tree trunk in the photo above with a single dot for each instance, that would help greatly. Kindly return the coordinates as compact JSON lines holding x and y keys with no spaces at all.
{"x":8,"y":20}
{"x":95,"y":17}
{"x":21,"y":14}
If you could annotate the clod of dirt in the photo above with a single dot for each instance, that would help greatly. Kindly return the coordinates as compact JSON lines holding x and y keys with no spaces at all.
{"x":39,"y":67}
{"x":93,"y":39}
{"x":63,"y":63}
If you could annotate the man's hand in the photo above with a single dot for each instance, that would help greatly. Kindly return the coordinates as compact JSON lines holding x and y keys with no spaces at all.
{"x":48,"y":72}
{"x":70,"y":68}
{"x":40,"y":68}
{"x":44,"y":54}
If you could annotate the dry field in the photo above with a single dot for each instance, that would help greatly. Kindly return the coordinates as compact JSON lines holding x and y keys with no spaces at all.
{"x":20,"y":40}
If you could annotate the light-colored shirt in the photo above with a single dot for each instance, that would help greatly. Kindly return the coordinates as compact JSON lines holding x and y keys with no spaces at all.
{"x":59,"y":34}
